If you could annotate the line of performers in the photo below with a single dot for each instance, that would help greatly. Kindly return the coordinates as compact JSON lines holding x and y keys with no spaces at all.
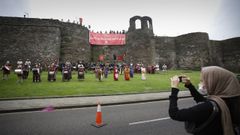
{"x":128,"y":72}
{"x":22,"y":71}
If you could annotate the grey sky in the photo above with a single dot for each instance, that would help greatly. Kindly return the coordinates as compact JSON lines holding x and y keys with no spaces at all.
{"x":219,"y":18}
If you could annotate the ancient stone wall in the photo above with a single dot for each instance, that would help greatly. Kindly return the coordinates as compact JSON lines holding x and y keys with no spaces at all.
{"x":215,"y":53}
{"x":231,"y":54}
{"x":33,"y":39}
{"x":43,"y":40}
{"x":47,"y":40}
{"x":165,"y":51}
{"x":74,"y":43}
{"x":192,"y":50}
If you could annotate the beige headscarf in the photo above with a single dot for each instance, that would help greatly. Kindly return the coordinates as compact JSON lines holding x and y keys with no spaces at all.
{"x":221,"y":83}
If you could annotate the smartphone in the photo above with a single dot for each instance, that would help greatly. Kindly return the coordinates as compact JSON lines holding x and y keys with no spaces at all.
{"x":182,"y":79}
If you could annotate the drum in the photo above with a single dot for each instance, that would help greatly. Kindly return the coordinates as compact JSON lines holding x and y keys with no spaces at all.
{"x":35,"y":70}
{"x":65,"y":72}
{"x":18,"y":71}
{"x":51,"y":72}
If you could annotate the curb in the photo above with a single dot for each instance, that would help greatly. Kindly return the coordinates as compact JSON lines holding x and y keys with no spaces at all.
{"x":74,"y":96}
{"x":87,"y":105}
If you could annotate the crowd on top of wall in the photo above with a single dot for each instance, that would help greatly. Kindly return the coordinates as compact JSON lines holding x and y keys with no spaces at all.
{"x":110,"y":32}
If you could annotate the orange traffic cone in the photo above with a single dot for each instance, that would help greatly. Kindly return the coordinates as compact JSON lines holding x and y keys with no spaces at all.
{"x":99,"y":122}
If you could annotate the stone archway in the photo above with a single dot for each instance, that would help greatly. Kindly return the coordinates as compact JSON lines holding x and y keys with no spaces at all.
{"x":132,"y":22}
{"x":147,"y":23}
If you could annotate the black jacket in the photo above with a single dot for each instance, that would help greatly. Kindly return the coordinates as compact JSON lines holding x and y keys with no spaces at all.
{"x":198,"y":113}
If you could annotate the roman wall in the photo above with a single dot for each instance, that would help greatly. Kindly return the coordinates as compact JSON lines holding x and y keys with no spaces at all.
{"x":46,"y":40}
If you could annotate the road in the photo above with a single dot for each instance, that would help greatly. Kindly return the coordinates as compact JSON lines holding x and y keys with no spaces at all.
{"x":149,"y":118}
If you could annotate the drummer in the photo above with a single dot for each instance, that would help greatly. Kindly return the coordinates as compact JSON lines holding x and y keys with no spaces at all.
{"x":19,"y":72}
{"x":19,"y":62}
{"x":6,"y":70}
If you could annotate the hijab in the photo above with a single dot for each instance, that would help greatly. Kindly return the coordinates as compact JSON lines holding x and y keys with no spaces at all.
{"x":221,"y":83}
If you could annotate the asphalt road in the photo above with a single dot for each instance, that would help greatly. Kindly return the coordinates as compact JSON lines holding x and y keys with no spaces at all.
{"x":149,"y":118}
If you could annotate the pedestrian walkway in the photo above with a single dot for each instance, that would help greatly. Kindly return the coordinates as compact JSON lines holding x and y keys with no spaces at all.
{"x":71,"y":102}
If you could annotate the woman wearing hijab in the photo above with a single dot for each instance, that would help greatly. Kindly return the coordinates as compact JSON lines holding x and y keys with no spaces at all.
{"x":219,"y":112}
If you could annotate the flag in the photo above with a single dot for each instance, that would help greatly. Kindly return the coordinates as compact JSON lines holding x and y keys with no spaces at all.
{"x":101,"y":57}
{"x":120,"y":58}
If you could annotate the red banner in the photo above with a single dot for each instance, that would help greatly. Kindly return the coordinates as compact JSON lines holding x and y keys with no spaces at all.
{"x":106,"y":39}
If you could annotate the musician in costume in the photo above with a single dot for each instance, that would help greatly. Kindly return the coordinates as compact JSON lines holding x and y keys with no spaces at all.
{"x":52,"y":72}
{"x":6,"y":70}
{"x":131,"y":70}
{"x":36,"y":73}
{"x":66,"y":73}
{"x":28,"y":62}
{"x":99,"y":73}
{"x":157,"y":68}
{"x":19,"y":62}
{"x":153,"y":69}
{"x":115,"y":73}
{"x":127,"y":73}
{"x":40,"y":65}
{"x":81,"y":70}
{"x":25,"y":71}
{"x":143,"y":71}
{"x":164,"y":67}
{"x":56,"y":65}
{"x":106,"y":70}
{"x":69,"y":66}
{"x":19,"y":72}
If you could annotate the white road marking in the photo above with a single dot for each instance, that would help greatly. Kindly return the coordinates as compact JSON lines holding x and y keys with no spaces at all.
{"x":148,"y":121}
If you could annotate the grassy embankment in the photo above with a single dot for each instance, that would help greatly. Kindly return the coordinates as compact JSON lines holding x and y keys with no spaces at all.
{"x":90,"y":86}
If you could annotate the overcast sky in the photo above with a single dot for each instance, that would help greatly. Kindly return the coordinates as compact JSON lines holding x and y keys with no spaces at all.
{"x":219,"y":18}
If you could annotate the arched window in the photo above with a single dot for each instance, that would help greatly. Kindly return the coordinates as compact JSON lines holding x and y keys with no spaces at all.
{"x":148,"y":24}
{"x":138,"y":24}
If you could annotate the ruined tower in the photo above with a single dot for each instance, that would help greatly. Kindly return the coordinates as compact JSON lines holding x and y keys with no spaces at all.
{"x":146,"y":24}
{"x":140,"y":43}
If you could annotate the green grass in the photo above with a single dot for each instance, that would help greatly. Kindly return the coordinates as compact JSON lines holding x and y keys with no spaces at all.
{"x":91,"y":86}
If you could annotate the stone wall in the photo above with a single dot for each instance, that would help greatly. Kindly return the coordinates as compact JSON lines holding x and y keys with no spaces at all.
{"x":192,"y":50}
{"x":29,"y":39}
{"x":216,"y":53}
{"x":226,"y":53}
{"x":43,"y":40}
{"x":165,"y":51}
{"x":47,"y":40}
{"x":231,"y":54}
{"x":74,"y":43}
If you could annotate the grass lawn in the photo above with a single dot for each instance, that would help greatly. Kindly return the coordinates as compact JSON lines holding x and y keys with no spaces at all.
{"x":91,"y":86}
